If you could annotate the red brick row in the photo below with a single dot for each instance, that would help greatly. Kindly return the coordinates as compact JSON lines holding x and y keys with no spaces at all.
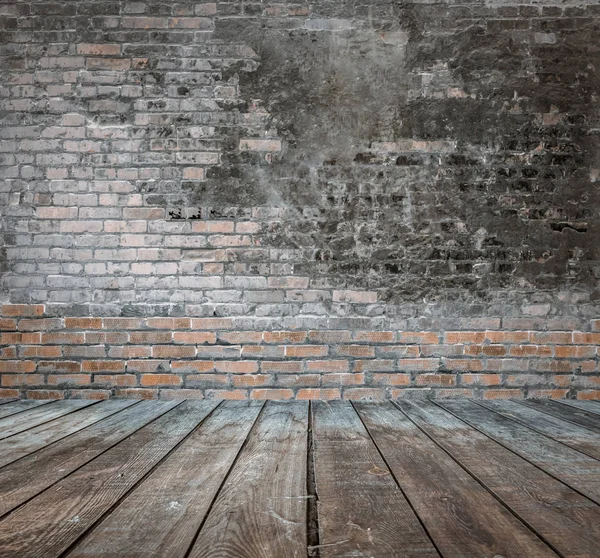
{"x":208,"y":357}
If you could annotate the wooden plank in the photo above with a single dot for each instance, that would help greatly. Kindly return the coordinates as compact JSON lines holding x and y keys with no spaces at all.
{"x":162,"y":516}
{"x":20,"y":406}
{"x":362,"y":511}
{"x":261,"y":509}
{"x":461,"y":516}
{"x":8,"y":400}
{"x":581,"y":418}
{"x":9,"y":426}
{"x":587,"y":406}
{"x":569,"y":522}
{"x":23,"y":479}
{"x":582,"y":439}
{"x":575,"y":469}
{"x":50,"y":523}
{"x":27,"y":442}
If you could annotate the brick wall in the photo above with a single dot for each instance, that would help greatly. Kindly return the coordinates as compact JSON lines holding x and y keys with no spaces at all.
{"x":325,"y":199}
{"x":45,"y":356}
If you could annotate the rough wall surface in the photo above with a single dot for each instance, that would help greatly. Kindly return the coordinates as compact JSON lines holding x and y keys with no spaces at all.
{"x":368,"y":198}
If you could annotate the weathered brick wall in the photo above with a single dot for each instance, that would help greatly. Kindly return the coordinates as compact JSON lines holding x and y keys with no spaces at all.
{"x":326,"y":199}
{"x":207,"y":357}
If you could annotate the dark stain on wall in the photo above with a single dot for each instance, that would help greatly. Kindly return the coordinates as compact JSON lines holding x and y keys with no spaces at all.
{"x":432,"y":152}
{"x":512,"y":205}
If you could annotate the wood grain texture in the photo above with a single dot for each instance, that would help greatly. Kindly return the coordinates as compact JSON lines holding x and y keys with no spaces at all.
{"x":15,"y":407}
{"x":362,"y":511}
{"x":461,"y":516}
{"x":587,"y":406}
{"x":579,"y":417}
{"x":9,"y":426}
{"x":261,"y":509}
{"x":162,"y":516}
{"x":582,"y":439}
{"x":568,"y":521}
{"x":54,"y":520}
{"x":8,"y":400}
{"x":29,"y":476}
{"x":27,"y":442}
{"x":132,"y":479}
{"x":575,"y":469}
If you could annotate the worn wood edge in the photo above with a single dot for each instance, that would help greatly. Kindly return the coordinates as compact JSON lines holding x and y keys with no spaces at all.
{"x":81,"y":538}
{"x":503,"y":444}
{"x":65,"y":539}
{"x":8,"y":400}
{"x":294,"y":408}
{"x":169,"y":405}
{"x":35,"y":404}
{"x":494,"y":407}
{"x":589,"y":406}
{"x":531,"y":538}
{"x":357,"y":406}
{"x":224,"y":480}
{"x":588,"y":420}
{"x":517,"y":515}
{"x":79,"y":548}
{"x":77,"y":405}
{"x":40,"y":426}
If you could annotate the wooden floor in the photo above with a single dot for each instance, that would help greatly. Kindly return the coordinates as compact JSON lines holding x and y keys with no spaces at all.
{"x":452,"y":478}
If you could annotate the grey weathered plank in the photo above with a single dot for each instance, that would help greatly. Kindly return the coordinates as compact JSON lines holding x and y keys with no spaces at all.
{"x":362,"y":511}
{"x":574,"y":468}
{"x":8,"y":400}
{"x":27,"y":442}
{"x":587,"y":406}
{"x":576,"y":437}
{"x":568,"y":521}
{"x":9,"y":426}
{"x":29,"y":476}
{"x":461,"y":516}
{"x":261,"y":509}
{"x":581,"y":418}
{"x":162,"y":516}
{"x":50,"y":523}
{"x":15,"y":407}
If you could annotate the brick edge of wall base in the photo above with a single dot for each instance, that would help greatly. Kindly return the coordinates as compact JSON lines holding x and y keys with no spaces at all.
{"x":46,"y":357}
